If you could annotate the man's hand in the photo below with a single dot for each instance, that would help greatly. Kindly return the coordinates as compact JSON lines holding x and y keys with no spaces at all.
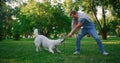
{"x":74,"y":29}
{"x":69,"y":35}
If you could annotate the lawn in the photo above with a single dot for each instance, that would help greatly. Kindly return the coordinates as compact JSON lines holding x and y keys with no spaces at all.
{"x":23,"y":51}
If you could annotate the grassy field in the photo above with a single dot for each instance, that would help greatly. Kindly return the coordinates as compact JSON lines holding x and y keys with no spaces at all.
{"x":23,"y":51}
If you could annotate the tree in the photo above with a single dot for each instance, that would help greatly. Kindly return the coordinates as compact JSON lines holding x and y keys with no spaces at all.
{"x":48,"y":19}
{"x":93,"y":4}
{"x":68,"y":5}
{"x":2,"y":4}
{"x":5,"y":14}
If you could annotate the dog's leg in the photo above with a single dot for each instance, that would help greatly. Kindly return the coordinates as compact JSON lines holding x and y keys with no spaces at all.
{"x":58,"y":50}
{"x":50,"y":50}
{"x":40,"y":48}
{"x":37,"y":48}
{"x":36,"y":41}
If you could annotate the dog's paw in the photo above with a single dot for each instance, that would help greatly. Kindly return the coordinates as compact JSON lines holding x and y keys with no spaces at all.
{"x":50,"y":50}
{"x":37,"y":50}
{"x":59,"y":51}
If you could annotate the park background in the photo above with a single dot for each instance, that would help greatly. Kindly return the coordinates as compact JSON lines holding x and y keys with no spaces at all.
{"x":18,"y":18}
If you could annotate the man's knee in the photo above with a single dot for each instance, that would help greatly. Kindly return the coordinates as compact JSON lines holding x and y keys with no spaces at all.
{"x":96,"y":38}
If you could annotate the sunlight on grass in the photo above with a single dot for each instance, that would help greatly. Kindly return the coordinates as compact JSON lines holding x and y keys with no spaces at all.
{"x":111,"y":42}
{"x":9,"y":61}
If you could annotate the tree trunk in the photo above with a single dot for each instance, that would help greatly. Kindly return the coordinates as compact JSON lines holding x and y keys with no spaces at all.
{"x":16,"y":36}
{"x":1,"y":30}
{"x":96,"y":19}
{"x":104,"y":34}
{"x":103,"y":30}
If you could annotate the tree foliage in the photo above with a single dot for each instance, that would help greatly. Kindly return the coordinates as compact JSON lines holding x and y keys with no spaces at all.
{"x":52,"y":19}
{"x":5,"y":22}
{"x":48,"y":19}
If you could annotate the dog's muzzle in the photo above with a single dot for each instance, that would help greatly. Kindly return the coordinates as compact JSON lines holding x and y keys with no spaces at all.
{"x":62,"y":40}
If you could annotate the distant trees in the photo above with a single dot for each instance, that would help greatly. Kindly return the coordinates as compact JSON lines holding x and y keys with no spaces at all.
{"x":48,"y":19}
{"x":5,"y":20}
{"x":68,"y":5}
{"x":20,"y":21}
{"x":53,"y":19}
{"x":2,"y":4}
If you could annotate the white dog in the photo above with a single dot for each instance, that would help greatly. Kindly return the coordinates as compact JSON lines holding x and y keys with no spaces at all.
{"x":50,"y":45}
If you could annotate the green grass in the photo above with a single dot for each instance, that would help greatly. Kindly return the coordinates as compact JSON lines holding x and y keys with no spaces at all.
{"x":23,"y":51}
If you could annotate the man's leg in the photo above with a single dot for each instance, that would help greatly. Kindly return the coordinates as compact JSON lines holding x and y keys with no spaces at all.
{"x":78,"y":39}
{"x":95,"y":36}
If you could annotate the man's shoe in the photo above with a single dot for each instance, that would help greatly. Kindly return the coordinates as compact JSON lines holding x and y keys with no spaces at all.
{"x":105,"y":53}
{"x":76,"y":53}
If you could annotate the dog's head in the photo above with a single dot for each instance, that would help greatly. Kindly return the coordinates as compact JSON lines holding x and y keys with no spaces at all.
{"x":60,"y":41}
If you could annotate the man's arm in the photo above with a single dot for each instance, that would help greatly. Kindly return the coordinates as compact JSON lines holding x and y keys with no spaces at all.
{"x":78,"y":25}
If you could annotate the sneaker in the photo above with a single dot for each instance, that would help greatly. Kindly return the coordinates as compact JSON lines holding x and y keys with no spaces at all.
{"x":105,"y":53}
{"x":76,"y":52}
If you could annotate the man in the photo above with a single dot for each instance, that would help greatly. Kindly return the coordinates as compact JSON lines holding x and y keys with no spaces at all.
{"x":84,"y":24}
